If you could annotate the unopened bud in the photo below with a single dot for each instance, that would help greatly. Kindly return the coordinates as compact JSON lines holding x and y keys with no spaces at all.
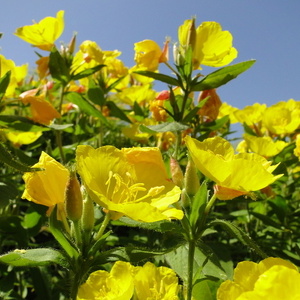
{"x":72,"y":44}
{"x":73,"y":198}
{"x":176,"y":172}
{"x":191,"y":179}
{"x":88,"y":217}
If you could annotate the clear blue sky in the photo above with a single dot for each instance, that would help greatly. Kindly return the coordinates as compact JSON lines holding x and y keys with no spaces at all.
{"x":268,"y":31}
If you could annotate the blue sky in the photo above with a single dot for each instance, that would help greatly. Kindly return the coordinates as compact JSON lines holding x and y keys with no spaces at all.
{"x":268,"y":31}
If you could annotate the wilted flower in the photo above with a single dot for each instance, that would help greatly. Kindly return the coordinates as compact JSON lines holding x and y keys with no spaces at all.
{"x":270,"y":279}
{"x":42,"y":111}
{"x":44,"y":33}
{"x":131,"y":182}
{"x":212,"y":105}
{"x":234,"y":174}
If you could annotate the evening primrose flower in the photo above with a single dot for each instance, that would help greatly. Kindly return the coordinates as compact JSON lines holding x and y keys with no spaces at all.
{"x":283,"y":117}
{"x":264,"y":146}
{"x":211,"y":45}
{"x":270,"y":279}
{"x":147,"y":55}
{"x":44,"y":33}
{"x":131,"y":182}
{"x":46,"y":187}
{"x":234,"y":174}
{"x":116,"y":284}
{"x":251,"y":114}
{"x":153,"y":283}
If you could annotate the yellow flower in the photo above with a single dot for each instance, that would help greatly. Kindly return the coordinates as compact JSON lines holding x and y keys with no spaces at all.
{"x":46,"y":187}
{"x":211,"y":46}
{"x":282,"y":117}
{"x":264,"y":146}
{"x":131,"y":182}
{"x":43,"y":34}
{"x":147,"y":55}
{"x":251,"y":114}
{"x":297,"y":149}
{"x":228,"y":110}
{"x":18,"y":73}
{"x":234,"y":174}
{"x":116,"y":284}
{"x":22,"y":138}
{"x":271,"y":279}
{"x":153,"y":283}
{"x":42,"y":111}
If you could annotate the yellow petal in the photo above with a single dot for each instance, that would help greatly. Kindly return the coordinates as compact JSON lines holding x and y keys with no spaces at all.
{"x":214,"y":46}
{"x":43,"y":34}
{"x":46,"y":187}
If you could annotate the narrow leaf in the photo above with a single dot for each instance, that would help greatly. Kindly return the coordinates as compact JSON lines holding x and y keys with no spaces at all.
{"x":87,"y":72}
{"x":117,"y":112}
{"x":57,"y":231}
{"x":85,"y":106}
{"x":222,"y":76}
{"x":58,"y":67}
{"x":164,"y":127}
{"x":236,"y":232}
{"x":4,"y":82}
{"x":160,"y":77}
{"x":13,"y":161}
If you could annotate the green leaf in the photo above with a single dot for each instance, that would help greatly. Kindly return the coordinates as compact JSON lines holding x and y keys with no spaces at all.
{"x":96,"y":94}
{"x":117,"y":112}
{"x":160,"y":226}
{"x":18,"y":123}
{"x":33,"y":258}
{"x":222,"y":76}
{"x":237,"y":233}
{"x":164,"y":127}
{"x":58,"y":233}
{"x":85,"y":106}
{"x":198,"y":206}
{"x":160,"y":77}
{"x":60,"y":126}
{"x":58,"y":67}
{"x":206,"y":263}
{"x":87,"y":72}
{"x":216,"y":124}
{"x":4,"y":82}
{"x":13,"y":162}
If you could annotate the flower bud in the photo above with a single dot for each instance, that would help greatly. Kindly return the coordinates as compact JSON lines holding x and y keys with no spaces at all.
{"x":72,"y":44}
{"x":73,"y":198}
{"x":176,"y":172}
{"x":191,"y":179}
{"x":88,"y":217}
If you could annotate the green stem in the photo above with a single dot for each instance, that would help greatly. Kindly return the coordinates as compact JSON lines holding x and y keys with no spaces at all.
{"x":191,"y":254}
{"x":210,"y":204}
{"x":77,"y":233}
{"x":103,"y":226}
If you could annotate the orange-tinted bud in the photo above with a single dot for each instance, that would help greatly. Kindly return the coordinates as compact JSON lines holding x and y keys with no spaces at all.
{"x":164,"y":57}
{"x":176,"y":172}
{"x":73,"y":198}
{"x":212,"y":105}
